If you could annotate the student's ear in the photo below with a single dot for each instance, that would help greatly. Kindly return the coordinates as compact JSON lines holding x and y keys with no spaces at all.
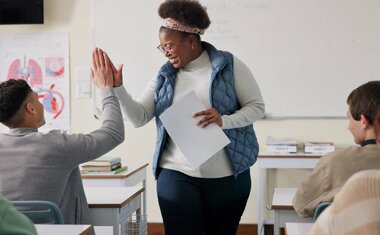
{"x":364,"y":121}
{"x":29,"y":108}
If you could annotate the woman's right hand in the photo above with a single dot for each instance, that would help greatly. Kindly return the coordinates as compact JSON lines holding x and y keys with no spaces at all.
{"x":117,"y":73}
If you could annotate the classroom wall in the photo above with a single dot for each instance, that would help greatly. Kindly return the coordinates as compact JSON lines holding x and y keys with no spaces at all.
{"x":74,"y":16}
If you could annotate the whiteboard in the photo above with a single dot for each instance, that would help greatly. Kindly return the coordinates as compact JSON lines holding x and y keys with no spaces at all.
{"x":306,"y":55}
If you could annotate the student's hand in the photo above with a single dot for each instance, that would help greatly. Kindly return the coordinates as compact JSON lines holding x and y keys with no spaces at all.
{"x":117,"y":73}
{"x":210,"y":116}
{"x":101,"y":73}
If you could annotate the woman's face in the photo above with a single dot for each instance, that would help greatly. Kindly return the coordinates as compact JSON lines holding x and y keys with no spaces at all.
{"x":175,"y":47}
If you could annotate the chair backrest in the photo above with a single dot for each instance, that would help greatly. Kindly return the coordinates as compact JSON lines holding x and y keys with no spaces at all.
{"x":318,"y":210}
{"x":40,"y":212}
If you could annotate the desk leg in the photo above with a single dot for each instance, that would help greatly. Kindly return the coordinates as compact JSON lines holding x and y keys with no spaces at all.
{"x":144,"y":196}
{"x":116,"y":223}
{"x":261,"y":194}
{"x":276,"y":227}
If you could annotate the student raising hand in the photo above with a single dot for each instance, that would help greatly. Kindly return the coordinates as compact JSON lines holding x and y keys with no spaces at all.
{"x":101,"y":73}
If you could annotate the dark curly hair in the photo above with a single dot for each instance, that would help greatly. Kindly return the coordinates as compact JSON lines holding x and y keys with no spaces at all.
{"x":188,"y":12}
{"x":365,"y":100}
{"x":13,"y":94}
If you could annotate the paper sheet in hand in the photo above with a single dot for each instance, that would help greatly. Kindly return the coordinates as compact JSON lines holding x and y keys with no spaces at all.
{"x":196,"y":143}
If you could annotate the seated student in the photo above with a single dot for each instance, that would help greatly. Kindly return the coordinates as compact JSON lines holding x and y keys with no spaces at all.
{"x":13,"y":222}
{"x":360,"y":196}
{"x":333,"y":169}
{"x":37,"y":166}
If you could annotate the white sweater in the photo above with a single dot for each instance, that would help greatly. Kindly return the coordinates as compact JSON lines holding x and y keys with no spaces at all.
{"x":196,"y":77}
{"x":355,"y":209}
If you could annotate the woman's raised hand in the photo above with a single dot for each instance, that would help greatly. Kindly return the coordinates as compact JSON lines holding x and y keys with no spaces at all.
{"x":117,"y":73}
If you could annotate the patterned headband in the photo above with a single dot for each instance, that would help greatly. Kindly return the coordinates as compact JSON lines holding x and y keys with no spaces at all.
{"x":171,"y":23}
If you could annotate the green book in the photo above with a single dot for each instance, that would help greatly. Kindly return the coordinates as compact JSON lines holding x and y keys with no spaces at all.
{"x":121,"y":169}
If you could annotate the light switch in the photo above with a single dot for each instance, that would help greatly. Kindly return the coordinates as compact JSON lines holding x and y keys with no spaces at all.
{"x":83,"y":83}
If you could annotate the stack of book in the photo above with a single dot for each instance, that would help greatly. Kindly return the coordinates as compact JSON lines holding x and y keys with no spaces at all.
{"x":318,"y":147}
{"x":103,"y":165}
{"x":281,"y":146}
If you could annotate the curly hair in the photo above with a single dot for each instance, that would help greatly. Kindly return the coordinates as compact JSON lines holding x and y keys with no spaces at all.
{"x":13,"y":93}
{"x":188,"y":12}
{"x":365,"y":100}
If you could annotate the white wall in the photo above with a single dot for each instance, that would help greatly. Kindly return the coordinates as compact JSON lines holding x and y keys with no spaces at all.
{"x":294,"y":48}
{"x":74,"y":16}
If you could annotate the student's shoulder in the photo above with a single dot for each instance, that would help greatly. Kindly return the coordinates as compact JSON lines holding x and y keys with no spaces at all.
{"x":340,"y":153}
{"x":53,"y":137}
{"x":51,"y":134}
{"x":350,"y":151}
{"x":54,"y":132}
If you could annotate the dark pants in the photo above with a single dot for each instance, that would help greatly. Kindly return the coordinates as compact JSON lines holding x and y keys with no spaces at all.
{"x":197,"y":206}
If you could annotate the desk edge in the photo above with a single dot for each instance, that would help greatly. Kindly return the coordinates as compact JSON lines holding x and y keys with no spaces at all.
{"x":118,"y":205}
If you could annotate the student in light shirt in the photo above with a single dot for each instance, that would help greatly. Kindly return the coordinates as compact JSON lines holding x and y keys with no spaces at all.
{"x":355,"y":209}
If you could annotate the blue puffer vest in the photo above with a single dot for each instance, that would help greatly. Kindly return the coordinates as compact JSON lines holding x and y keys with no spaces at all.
{"x":243,"y":149}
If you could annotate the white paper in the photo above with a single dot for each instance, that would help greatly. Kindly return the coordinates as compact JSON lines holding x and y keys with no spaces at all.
{"x":196,"y":143}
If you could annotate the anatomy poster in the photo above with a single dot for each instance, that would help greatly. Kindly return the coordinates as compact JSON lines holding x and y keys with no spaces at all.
{"x":42,"y":59}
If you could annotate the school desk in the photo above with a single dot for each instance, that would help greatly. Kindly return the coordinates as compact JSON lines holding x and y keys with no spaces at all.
{"x":131,"y":177}
{"x":283,"y":161}
{"x":298,"y":228}
{"x":63,"y":229}
{"x":283,"y":208}
{"x":103,"y":230}
{"x":115,"y":206}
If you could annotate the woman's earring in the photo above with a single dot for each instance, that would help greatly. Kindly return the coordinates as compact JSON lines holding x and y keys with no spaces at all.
{"x":192,"y":47}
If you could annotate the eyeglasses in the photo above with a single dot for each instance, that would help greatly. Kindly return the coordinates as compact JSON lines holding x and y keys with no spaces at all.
{"x":170,"y":48}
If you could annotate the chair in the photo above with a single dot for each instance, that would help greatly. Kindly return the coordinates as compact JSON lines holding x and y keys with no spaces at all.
{"x":40,"y":212}
{"x":318,"y":210}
